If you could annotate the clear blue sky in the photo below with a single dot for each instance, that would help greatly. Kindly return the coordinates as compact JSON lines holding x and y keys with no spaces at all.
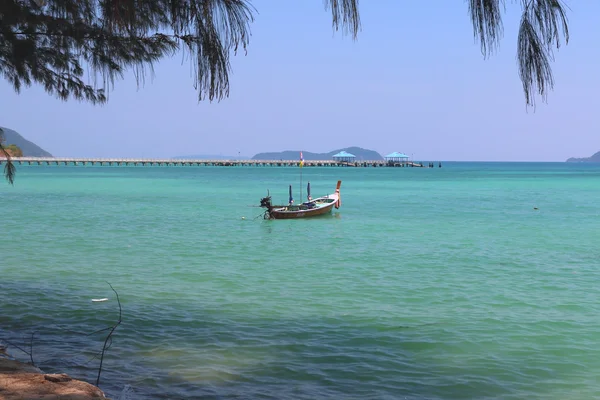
{"x":415,"y":82}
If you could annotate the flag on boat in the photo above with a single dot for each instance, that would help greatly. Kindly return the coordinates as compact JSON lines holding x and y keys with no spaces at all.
{"x":301,"y":160}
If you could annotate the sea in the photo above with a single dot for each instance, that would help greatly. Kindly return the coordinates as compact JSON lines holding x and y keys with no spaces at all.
{"x":470,"y":281}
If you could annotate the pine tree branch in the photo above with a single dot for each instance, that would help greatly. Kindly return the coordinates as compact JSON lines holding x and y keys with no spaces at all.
{"x":543,"y":22}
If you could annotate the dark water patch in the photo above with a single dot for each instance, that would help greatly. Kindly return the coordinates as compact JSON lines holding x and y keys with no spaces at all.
{"x":169,"y":351}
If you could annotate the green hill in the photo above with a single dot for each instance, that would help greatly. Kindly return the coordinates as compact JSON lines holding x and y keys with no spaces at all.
{"x":593,"y":159}
{"x":29,"y":149}
{"x":360,"y":153}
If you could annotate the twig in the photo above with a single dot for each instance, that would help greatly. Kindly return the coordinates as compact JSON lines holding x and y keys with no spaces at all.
{"x":31,"y":348}
{"x":85,"y":334}
{"x":29,"y":353}
{"x":104,"y":348}
{"x":16,"y":347}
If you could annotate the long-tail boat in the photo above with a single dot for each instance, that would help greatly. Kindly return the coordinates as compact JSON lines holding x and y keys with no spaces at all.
{"x":310,"y":208}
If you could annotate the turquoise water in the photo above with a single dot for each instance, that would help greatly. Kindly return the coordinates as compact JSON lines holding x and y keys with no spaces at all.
{"x":425,"y":284}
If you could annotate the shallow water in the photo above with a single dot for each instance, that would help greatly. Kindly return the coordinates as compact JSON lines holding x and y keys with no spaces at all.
{"x":425,"y":284}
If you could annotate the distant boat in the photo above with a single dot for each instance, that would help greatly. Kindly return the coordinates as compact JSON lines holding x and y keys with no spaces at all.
{"x":311,"y":208}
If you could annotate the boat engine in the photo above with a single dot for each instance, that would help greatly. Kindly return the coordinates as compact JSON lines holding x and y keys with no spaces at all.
{"x":265,"y":202}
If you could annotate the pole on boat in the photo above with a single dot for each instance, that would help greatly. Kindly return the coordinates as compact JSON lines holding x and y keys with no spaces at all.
{"x":300,"y":184}
{"x":301,"y":165}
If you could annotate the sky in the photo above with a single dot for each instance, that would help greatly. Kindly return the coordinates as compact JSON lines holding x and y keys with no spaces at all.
{"x":414,"y":81}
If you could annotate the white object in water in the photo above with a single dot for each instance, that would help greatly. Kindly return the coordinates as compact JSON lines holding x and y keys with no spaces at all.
{"x":96,"y":300}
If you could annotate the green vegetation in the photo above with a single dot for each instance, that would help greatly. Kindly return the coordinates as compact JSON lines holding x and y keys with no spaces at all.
{"x":9,"y":168}
{"x":29,"y":149}
{"x":19,"y":147}
{"x":14,"y":150}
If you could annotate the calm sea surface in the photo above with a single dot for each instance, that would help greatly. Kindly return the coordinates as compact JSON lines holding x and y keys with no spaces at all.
{"x":426,"y":283}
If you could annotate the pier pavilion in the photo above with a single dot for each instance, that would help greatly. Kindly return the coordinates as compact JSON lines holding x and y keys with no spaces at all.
{"x":343,"y":156}
{"x":396,"y":157}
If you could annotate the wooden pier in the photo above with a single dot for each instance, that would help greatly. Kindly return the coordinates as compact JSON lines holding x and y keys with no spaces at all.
{"x":133,"y":162}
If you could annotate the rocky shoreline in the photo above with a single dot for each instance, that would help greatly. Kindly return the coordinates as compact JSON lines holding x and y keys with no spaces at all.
{"x":21,"y":381}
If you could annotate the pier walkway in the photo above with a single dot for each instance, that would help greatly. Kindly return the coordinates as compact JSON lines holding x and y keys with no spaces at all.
{"x":188,"y":162}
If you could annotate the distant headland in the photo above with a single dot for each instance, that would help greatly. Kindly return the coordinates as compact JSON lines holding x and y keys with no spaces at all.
{"x":593,"y":159}
{"x":360,"y":153}
{"x":29,"y":149}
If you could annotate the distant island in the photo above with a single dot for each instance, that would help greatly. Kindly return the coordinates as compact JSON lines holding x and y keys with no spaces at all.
{"x":29,"y":149}
{"x":360,"y":153}
{"x":593,"y":159}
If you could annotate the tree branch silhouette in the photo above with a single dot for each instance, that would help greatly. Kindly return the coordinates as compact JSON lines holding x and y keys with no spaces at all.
{"x":108,"y":340}
{"x":9,"y":168}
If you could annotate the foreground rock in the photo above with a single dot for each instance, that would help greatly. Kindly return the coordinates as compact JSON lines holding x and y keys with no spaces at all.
{"x":24,"y":381}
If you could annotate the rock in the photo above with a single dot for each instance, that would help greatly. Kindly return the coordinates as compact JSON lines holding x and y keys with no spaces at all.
{"x":20,"y":381}
{"x":57,"y":377}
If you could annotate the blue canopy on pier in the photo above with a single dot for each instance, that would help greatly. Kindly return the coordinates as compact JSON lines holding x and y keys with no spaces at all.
{"x":344,"y":156}
{"x":395,"y":156}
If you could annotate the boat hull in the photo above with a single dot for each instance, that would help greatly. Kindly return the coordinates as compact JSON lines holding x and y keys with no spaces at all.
{"x":313,"y":208}
{"x":286,"y":214}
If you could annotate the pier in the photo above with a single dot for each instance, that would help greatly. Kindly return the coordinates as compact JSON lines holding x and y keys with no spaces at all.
{"x":143,"y":162}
